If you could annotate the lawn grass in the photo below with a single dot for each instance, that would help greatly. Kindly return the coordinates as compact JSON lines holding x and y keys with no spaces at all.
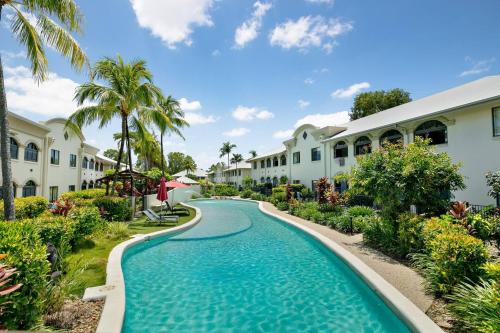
{"x":91,"y":255}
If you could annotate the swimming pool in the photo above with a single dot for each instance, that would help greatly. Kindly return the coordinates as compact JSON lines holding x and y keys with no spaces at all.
{"x":240,"y":270}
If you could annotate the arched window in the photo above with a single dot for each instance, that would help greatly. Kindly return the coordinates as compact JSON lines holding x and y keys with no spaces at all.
{"x":96,"y":166}
{"x":84,"y":185}
{"x":31,"y":152}
{"x":101,"y":168}
{"x":392,"y":136}
{"x":268,"y":180}
{"x":434,"y":130}
{"x":14,"y":149}
{"x":91,"y":165}
{"x":85,"y":163}
{"x":29,"y":189}
{"x":275,"y":181}
{"x":363,"y":145}
{"x":268,"y":163}
{"x":341,"y":185}
{"x":91,"y":184}
{"x":262,"y":180}
{"x":340,"y":149}
{"x":283,"y":160}
{"x":262,"y":164}
{"x":275,"y":161}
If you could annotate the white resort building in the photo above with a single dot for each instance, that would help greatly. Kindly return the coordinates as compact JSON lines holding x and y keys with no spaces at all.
{"x":462,"y":121}
{"x":199,"y":173}
{"x":48,"y":161}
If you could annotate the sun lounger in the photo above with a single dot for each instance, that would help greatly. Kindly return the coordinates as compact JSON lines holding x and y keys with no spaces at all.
{"x":155,"y":218}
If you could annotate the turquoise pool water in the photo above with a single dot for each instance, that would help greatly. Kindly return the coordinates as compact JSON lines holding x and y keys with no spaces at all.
{"x":240,"y":270}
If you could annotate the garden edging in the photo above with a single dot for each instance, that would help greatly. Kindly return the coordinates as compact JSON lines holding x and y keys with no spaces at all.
{"x":113,"y":292}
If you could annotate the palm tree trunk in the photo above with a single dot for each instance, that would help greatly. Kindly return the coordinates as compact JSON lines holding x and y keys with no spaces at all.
{"x":129,"y":151}
{"x":237,"y":177}
{"x":162,"y":158}
{"x":120,"y":153}
{"x":228,"y":166}
{"x":8,"y":190}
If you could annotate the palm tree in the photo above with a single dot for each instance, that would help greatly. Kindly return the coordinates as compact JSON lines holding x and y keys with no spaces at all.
{"x":172,"y":120}
{"x":237,"y":158}
{"x":253,"y":153}
{"x":226,"y":149}
{"x":127,"y":93}
{"x":49,"y":32}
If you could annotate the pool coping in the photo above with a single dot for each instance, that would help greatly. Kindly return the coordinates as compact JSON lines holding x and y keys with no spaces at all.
{"x":408,"y":312}
{"x":113,"y":292}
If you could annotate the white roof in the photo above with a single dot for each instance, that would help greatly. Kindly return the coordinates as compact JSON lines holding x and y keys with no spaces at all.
{"x":269,"y":153}
{"x":242,"y":165}
{"x":482,"y":90}
{"x":104,"y":158}
{"x":197,"y":173}
{"x":187,"y":180}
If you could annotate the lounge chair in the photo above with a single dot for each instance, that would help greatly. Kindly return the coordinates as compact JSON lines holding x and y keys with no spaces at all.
{"x":155,"y":218}
{"x":177,"y":209}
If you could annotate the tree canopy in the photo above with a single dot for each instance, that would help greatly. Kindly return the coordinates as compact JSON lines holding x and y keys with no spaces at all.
{"x":177,"y":161}
{"x":371,"y":102}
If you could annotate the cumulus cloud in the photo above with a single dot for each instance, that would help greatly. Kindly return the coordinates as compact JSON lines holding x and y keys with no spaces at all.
{"x":192,"y":114}
{"x":187,"y":105}
{"x":351,"y":90}
{"x":249,"y":30}
{"x":216,"y":53}
{"x":173,"y":21}
{"x":318,"y":119}
{"x":244,"y":113}
{"x":303,"y":104}
{"x":236,"y":132}
{"x":477,"y":67}
{"x":51,"y":98}
{"x":309,"y":31}
{"x":308,"y":81}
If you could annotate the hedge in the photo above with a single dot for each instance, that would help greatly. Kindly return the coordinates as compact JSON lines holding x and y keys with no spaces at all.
{"x":114,"y":208}
{"x":56,"y":230}
{"x":84,"y":194}
{"x":28,"y":207}
{"x":26,"y":252}
{"x":87,"y":220}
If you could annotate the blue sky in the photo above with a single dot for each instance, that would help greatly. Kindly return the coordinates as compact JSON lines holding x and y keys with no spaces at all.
{"x":249,"y":72}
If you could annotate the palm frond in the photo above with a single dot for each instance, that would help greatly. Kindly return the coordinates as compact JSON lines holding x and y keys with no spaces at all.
{"x":66,"y":11}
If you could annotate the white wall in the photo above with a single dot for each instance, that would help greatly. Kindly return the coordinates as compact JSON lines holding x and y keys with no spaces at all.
{"x":271,"y":172}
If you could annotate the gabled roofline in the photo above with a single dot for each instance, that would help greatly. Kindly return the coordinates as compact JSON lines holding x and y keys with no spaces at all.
{"x":31,"y":122}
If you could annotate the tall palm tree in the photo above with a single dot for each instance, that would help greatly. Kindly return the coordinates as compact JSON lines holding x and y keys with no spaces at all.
{"x":126,"y":92}
{"x":170,"y":119}
{"x":253,"y":153}
{"x":226,"y":149}
{"x":237,"y":158}
{"x":33,"y":38}
{"x":145,"y":146}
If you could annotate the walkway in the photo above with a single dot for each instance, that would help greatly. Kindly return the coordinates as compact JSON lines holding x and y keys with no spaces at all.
{"x":406,"y":280}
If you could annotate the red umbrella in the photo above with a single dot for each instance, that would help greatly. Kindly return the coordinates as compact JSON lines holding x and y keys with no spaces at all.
{"x":174,"y":184}
{"x":162,"y":190}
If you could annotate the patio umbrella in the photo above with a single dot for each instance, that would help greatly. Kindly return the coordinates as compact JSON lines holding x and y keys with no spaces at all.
{"x":162,"y":192}
{"x":172,"y":185}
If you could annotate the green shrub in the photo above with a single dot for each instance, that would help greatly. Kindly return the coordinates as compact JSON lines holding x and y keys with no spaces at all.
{"x":27,"y":208}
{"x":84,"y":194}
{"x":454,"y":257}
{"x":360,"y":211}
{"x":495,"y":230}
{"x":361,"y":222}
{"x":379,"y":234}
{"x":278,"y":197}
{"x":114,"y":208}
{"x":482,"y":227}
{"x":57,"y":230}
{"x":87,"y":220}
{"x":225,"y":190}
{"x":245,"y":194}
{"x":25,"y":251}
{"x":318,"y":217}
{"x":436,"y":226}
{"x":195,"y":196}
{"x":207,"y":194}
{"x":257,"y":196}
{"x":282,"y":205}
{"x":491,"y":271}
{"x":476,"y":306}
{"x":410,"y":234}
{"x":116,"y":230}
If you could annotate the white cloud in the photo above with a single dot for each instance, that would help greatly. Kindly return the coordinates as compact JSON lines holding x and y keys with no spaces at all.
{"x":478,"y":67}
{"x":283,"y":134}
{"x":328,"y":2}
{"x":235,"y":132}
{"x":187,"y":105}
{"x":318,"y":119}
{"x":309,"y":31}
{"x":244,"y":113}
{"x":303,"y":104}
{"x":13,"y":55}
{"x":309,"y":81}
{"x":216,"y":53}
{"x":249,"y":29}
{"x":51,"y":98}
{"x":173,"y":21}
{"x":351,"y":90}
{"x":198,"y":119}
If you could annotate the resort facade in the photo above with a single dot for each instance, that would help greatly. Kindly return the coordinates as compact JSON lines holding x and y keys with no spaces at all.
{"x":463,"y":122}
{"x":47,"y":160}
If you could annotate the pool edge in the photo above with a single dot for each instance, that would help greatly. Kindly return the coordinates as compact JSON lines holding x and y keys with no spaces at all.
{"x":408,"y":312}
{"x":113,"y":292}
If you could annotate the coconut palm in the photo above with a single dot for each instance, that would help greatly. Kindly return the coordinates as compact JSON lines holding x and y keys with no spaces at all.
{"x":36,"y":23}
{"x":237,"y":158}
{"x":169,"y":119}
{"x":126,"y":93}
{"x":226,"y":149}
{"x":252,"y":153}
